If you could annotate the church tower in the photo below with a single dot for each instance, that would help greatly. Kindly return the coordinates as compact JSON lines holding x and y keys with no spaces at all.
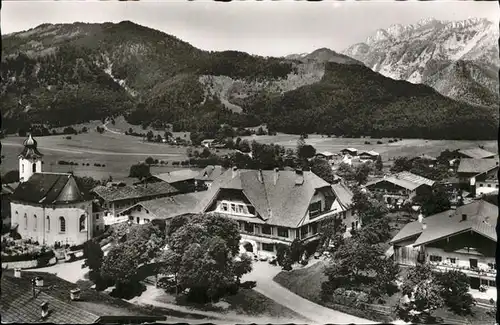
{"x":30,"y":160}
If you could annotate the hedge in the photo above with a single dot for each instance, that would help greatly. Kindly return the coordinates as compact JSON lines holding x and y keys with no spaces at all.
{"x":28,"y":257}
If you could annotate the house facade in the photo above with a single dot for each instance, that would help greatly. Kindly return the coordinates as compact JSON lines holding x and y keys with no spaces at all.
{"x":273,"y":206}
{"x":162,"y":209}
{"x":486,"y":182}
{"x":469,"y":168}
{"x":349,"y":152}
{"x":183,"y":180}
{"x":463,"y":239}
{"x":325,"y":155}
{"x":368,"y":156}
{"x":111,"y":200}
{"x":400,"y":188}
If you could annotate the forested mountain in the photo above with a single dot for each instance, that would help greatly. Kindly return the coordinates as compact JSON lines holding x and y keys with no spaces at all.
{"x":68,"y":73}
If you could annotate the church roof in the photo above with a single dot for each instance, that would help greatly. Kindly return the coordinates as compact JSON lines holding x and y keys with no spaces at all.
{"x":30,"y":150}
{"x":50,"y":188}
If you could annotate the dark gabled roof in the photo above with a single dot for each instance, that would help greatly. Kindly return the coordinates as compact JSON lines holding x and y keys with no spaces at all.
{"x":178,"y":176}
{"x":476,"y":166}
{"x":50,"y":188}
{"x":284,"y":203}
{"x":476,"y":153}
{"x":19,"y":306}
{"x":481,"y":218}
{"x":210,"y":173}
{"x":169,"y":207}
{"x":118,"y":193}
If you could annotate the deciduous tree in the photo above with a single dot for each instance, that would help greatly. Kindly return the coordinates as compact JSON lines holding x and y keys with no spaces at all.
{"x":322,"y":168}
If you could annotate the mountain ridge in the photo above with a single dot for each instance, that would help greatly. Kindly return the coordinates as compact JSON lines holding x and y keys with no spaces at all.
{"x":410,"y":52}
{"x":100,"y":70}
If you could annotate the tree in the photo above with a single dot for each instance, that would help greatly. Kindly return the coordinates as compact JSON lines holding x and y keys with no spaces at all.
{"x":189,"y":152}
{"x":322,"y":168}
{"x":305,"y":152}
{"x":206,"y":247}
{"x":345,"y":171}
{"x":205,"y":153}
{"x":242,"y":266}
{"x":261,"y":131}
{"x":433,"y":202}
{"x":361,"y":173}
{"x":379,"y":165}
{"x":332,"y":231}
{"x":455,"y":291}
{"x":140,"y":171}
{"x":11,"y":176}
{"x":167,"y":135}
{"x":296,"y":250}
{"x":120,"y":265}
{"x":401,"y":164}
{"x":87,"y":183}
{"x":84,"y":129}
{"x":158,"y":138}
{"x":300,"y":143}
{"x":93,"y":260}
{"x":421,"y":294}
{"x":100,"y":129}
{"x":376,"y":232}
{"x":244,"y":146}
{"x":149,"y":136}
{"x":150,"y":160}
{"x":358,"y":265}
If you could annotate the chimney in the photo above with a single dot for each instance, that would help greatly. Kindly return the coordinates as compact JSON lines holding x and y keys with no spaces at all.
{"x":424,"y":226}
{"x":276,"y":175}
{"x":74,"y":294}
{"x":39,"y":281}
{"x":17,"y":273}
{"x":235,"y":171}
{"x":464,"y":217}
{"x":45,"y":309}
{"x":299,"y":177}
{"x":420,"y":218}
{"x":259,"y":176}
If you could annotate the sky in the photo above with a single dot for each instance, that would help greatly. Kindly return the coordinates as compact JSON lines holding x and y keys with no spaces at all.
{"x":268,"y":28}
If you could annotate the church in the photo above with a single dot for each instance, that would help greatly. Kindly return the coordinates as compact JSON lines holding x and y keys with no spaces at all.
{"x":49,"y":207}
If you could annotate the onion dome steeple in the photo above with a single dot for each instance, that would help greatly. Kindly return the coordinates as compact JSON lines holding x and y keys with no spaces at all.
{"x":30,"y":150}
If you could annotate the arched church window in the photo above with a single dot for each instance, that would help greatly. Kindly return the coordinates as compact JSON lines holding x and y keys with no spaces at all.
{"x":62,"y":224}
{"x":34,"y":221}
{"x":48,"y":223}
{"x":25,"y":221}
{"x":83,"y":222}
{"x":34,"y":167}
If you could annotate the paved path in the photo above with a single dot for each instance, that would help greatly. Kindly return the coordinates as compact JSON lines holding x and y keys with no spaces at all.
{"x":149,"y":297}
{"x":264,"y":273}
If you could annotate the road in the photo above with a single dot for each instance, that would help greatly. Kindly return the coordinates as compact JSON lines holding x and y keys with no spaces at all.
{"x":264,"y":273}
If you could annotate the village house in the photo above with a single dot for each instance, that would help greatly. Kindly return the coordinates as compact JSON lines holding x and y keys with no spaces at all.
{"x":469,"y":168}
{"x":463,"y":239}
{"x":207,"y":143}
{"x":277,"y":206}
{"x":184,"y":180}
{"x":400,"y":188}
{"x":206,"y":177}
{"x":39,"y":297}
{"x":352,"y":152}
{"x":485,"y":182}
{"x":111,"y":200}
{"x":327,"y":155}
{"x":49,"y":207}
{"x":475,"y":153}
{"x":368,"y":156}
{"x":162,"y":209}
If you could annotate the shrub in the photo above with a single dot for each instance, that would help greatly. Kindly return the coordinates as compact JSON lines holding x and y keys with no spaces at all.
{"x":367,"y":142}
{"x":379,"y":142}
{"x":68,"y":138}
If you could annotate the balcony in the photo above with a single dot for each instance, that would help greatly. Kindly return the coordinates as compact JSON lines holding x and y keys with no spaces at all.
{"x":267,"y":238}
{"x":443,"y":267}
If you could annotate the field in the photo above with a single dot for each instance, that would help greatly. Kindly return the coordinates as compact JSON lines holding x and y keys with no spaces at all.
{"x":406,"y":147}
{"x":116,"y":151}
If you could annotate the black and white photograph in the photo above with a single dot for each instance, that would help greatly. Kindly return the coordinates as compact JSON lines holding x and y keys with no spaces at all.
{"x":249,"y":162}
